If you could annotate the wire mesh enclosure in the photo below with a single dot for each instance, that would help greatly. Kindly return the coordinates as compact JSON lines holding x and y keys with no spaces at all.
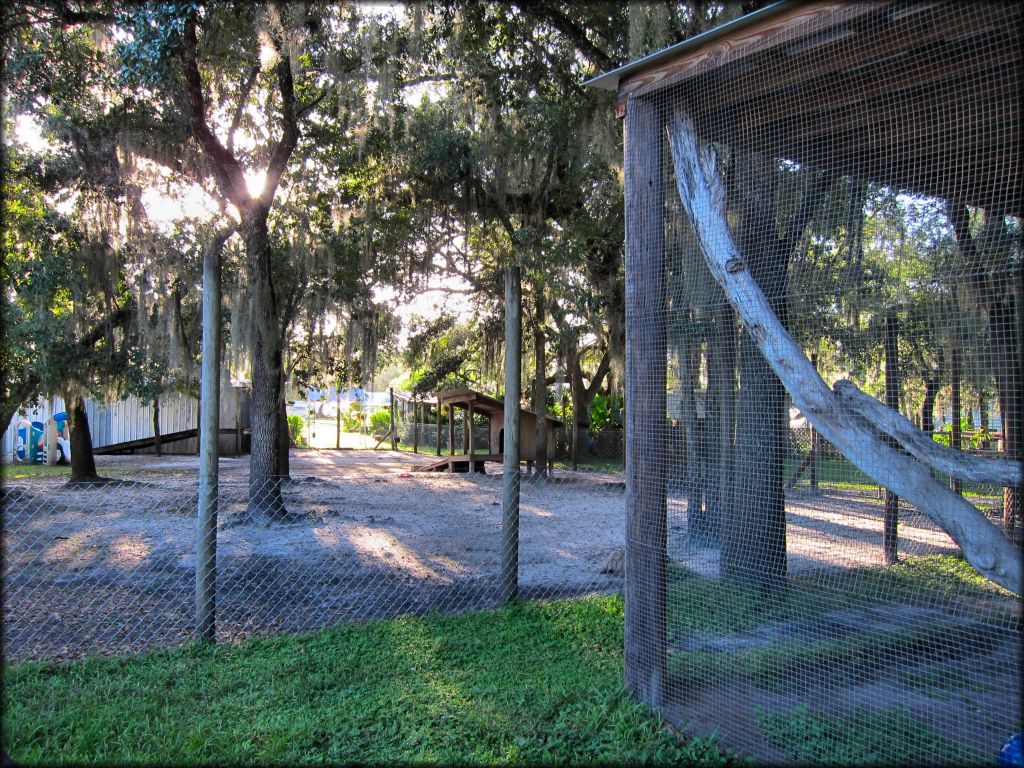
{"x":116,"y":568}
{"x":827,"y":194}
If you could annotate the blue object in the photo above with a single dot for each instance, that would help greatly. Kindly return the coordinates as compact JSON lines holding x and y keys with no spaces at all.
{"x":1010,"y":754}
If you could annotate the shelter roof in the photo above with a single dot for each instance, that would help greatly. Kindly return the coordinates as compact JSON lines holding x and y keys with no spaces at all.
{"x":481,"y":403}
{"x":923,"y":97}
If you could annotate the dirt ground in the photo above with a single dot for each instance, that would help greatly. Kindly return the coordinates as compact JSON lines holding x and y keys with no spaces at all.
{"x":111,"y":569}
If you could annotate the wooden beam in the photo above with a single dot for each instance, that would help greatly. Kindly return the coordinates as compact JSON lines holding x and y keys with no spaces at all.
{"x":646,"y":355}
{"x":788,"y":26}
{"x":877,"y":42}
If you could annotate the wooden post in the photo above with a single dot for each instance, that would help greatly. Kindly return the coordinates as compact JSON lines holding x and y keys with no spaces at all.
{"x":646,"y":354}
{"x":465,"y":429}
{"x":209,"y":420}
{"x":337,"y":418}
{"x":451,"y":429}
{"x":50,"y":432}
{"x":415,"y":425}
{"x":890,"y":533}
{"x":814,"y":439}
{"x":394,"y":426}
{"x":471,"y":447}
{"x":156,"y":427}
{"x":238,"y":421}
{"x":574,"y":424}
{"x":437,"y":407}
{"x":509,"y":585}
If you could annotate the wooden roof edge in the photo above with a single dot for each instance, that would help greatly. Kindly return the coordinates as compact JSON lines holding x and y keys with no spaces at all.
{"x":609,"y":81}
{"x":780,"y":23}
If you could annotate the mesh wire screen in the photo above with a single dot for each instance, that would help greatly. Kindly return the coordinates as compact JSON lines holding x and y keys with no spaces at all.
{"x":859,"y":165}
{"x":112,"y":568}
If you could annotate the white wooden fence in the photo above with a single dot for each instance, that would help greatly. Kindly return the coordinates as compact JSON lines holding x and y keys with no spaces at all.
{"x":124,"y":420}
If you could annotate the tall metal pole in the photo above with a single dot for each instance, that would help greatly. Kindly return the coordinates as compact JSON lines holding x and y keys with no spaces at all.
{"x":509,"y":586}
{"x":209,"y":419}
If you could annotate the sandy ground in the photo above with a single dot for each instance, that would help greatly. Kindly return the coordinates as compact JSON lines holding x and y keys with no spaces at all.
{"x":112,"y":568}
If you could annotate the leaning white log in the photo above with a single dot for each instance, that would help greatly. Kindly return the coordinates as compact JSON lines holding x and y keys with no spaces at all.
{"x":976,"y":469}
{"x":703,"y":195}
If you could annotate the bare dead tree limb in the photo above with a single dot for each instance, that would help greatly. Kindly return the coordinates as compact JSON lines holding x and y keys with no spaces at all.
{"x":703,"y":195}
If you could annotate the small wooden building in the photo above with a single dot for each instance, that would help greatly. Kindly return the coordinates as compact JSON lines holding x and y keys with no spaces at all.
{"x":470,"y":402}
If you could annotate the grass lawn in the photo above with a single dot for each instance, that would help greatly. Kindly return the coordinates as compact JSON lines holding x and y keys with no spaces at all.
{"x":534,"y":682}
{"x":22,"y":471}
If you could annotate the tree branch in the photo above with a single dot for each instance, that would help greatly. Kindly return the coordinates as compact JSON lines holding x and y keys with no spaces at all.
{"x":289,"y":129}
{"x":227,"y":169}
{"x":703,"y":195}
{"x":547,"y":13}
{"x":975,"y":469}
{"x":243,"y":96}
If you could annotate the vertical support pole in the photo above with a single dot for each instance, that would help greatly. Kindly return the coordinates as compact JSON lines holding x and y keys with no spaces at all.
{"x":415,"y":425}
{"x":209,"y":420}
{"x":394,"y":425}
{"x":437,"y":406}
{"x":451,"y":429}
{"x":890,"y":533}
{"x":50,"y":431}
{"x":646,"y":362}
{"x":955,"y":377}
{"x":509,"y":585}
{"x":337,"y":418}
{"x":814,"y":440}
{"x":238,"y":421}
{"x":574,"y":397}
{"x":471,"y":446}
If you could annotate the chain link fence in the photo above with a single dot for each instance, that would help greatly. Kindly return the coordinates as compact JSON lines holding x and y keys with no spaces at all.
{"x":112,"y":568}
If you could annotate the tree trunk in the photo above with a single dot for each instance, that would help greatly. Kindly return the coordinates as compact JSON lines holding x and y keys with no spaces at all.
{"x":83,"y":462}
{"x":754,"y":531}
{"x":539,"y":389}
{"x":156,"y":427}
{"x":572,"y":363}
{"x":932,"y":383}
{"x":265,"y":499}
{"x":890,"y":533}
{"x":720,"y":420}
{"x":999,"y":292}
{"x":1003,"y":326}
{"x":956,"y":436}
{"x":700,"y":528}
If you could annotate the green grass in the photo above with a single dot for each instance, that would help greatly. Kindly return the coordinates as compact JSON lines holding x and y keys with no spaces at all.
{"x":864,"y":737}
{"x":22,"y":471}
{"x":696,"y":604}
{"x":612,"y":466}
{"x":535,"y":682}
{"x":26,"y":471}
